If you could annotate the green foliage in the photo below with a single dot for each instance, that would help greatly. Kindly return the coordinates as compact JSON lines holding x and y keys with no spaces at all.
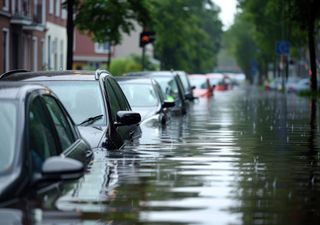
{"x":238,"y":40}
{"x":187,"y":34}
{"x":121,"y":66}
{"x":107,"y":20}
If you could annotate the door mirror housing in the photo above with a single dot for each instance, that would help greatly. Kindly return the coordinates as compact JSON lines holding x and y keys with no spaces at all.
{"x":59,"y":168}
{"x":168,"y":104}
{"x":127,"y":118}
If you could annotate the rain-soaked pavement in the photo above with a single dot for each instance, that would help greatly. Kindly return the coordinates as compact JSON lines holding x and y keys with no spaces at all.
{"x":242,"y":157}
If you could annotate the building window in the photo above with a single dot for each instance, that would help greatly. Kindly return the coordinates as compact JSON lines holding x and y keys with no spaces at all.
{"x":35,"y":53}
{"x":51,"y":7}
{"x":64,"y":13}
{"x":5,"y":5}
{"x":61,"y":55}
{"x":43,"y":48}
{"x":101,"y":47}
{"x":58,"y":4}
{"x":5,"y":49}
{"x":49,"y":52}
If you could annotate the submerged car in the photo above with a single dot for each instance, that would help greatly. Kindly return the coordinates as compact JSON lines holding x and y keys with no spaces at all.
{"x":94,"y":100}
{"x":39,"y":142}
{"x":202,"y":85}
{"x":146,"y":97}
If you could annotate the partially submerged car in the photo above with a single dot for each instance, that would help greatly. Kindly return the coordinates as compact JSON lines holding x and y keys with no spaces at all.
{"x":39,"y":143}
{"x":202,"y":85}
{"x":146,"y":97}
{"x":94,"y":100}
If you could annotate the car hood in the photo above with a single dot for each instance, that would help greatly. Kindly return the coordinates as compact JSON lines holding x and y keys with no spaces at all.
{"x":145,"y":112}
{"x":93,"y":135}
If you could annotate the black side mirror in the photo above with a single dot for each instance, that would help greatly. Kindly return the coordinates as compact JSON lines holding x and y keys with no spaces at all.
{"x":168,"y":104}
{"x":127,"y":118}
{"x":189,"y":96}
{"x":59,"y":168}
{"x":193,"y":87}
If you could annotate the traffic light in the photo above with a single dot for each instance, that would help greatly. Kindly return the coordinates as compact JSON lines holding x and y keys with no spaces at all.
{"x":146,"y":37}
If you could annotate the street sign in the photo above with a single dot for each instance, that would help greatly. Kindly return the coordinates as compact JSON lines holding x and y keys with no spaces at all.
{"x":282,"y":47}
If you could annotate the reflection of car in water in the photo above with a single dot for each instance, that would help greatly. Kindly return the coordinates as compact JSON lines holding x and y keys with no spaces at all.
{"x":146,"y":97}
{"x":35,"y":131}
{"x":94,"y":100}
{"x":202,"y":85}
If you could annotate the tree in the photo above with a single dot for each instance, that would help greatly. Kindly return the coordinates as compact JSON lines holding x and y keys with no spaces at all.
{"x":305,"y":14}
{"x":107,"y":20}
{"x":238,"y":40}
{"x":187,"y":34}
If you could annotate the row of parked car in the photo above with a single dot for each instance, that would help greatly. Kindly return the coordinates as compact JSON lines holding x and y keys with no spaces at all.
{"x":52,"y":122}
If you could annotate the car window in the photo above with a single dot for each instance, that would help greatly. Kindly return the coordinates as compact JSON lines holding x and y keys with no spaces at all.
{"x":82,"y":99}
{"x":8,"y":123}
{"x":113,"y":101}
{"x":123,"y":102}
{"x":42,"y":142}
{"x":140,"y":95}
{"x":64,"y":128}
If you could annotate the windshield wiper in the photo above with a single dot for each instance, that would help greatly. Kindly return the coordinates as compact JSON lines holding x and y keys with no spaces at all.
{"x":90,"y":120}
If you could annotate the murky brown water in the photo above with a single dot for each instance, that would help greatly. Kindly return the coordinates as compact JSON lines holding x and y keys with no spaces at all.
{"x":243,"y":157}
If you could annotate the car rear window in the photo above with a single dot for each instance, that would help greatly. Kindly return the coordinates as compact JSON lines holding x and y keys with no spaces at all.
{"x":8,"y":124}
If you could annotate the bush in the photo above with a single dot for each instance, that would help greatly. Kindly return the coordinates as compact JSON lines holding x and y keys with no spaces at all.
{"x":121,"y":66}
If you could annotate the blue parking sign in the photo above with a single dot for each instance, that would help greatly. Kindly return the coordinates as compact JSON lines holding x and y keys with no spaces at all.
{"x":282,"y":47}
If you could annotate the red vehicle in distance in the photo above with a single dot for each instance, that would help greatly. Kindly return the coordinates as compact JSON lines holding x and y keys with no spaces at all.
{"x":201,"y":85}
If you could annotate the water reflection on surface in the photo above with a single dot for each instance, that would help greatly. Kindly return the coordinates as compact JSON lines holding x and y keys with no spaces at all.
{"x":242,"y":157}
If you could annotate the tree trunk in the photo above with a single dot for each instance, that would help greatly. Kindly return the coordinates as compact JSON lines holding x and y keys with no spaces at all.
{"x":70,"y":33}
{"x":312,"y":53}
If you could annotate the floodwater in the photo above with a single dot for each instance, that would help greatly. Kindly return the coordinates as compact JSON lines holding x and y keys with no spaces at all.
{"x":244,"y":156}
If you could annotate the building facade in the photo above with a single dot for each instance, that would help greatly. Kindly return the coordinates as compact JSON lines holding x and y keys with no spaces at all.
{"x":32,"y":35}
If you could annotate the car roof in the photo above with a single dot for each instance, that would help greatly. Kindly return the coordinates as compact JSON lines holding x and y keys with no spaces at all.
{"x":135,"y":79}
{"x":15,"y":90}
{"x":50,"y":75}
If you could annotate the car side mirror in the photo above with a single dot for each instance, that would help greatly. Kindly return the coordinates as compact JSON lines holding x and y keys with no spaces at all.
{"x":189,"y":96}
{"x":127,"y":118}
{"x":193,"y":87}
{"x":59,"y":168}
{"x":168,"y":104}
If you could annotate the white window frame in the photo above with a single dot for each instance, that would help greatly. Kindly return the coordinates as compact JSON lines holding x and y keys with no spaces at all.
{"x":43,"y":46}
{"x":99,"y":49}
{"x":51,"y":7}
{"x":6,"y":5}
{"x":35,"y":53}
{"x":6,"y":49}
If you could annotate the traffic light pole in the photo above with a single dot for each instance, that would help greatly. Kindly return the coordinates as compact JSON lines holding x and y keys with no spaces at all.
{"x":143,"y":57}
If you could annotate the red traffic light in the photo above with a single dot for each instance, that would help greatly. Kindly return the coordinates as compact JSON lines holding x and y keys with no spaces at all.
{"x":146,"y":37}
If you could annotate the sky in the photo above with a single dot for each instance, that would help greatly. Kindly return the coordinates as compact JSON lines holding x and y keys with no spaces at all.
{"x":228,"y":10}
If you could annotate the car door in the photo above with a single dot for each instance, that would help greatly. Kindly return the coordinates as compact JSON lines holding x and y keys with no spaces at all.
{"x":118,"y":102}
{"x":71,"y":143}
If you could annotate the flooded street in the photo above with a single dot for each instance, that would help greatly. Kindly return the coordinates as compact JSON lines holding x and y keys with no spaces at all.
{"x":242,"y":157}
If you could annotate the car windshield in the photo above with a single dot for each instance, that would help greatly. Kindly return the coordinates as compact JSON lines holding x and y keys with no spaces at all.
{"x":199,"y":82}
{"x":140,"y":95}
{"x":82,"y":99}
{"x":8,"y":122}
{"x":168,"y":86}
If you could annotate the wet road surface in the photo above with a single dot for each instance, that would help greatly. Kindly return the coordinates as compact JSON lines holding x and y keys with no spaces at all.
{"x":242,"y":157}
